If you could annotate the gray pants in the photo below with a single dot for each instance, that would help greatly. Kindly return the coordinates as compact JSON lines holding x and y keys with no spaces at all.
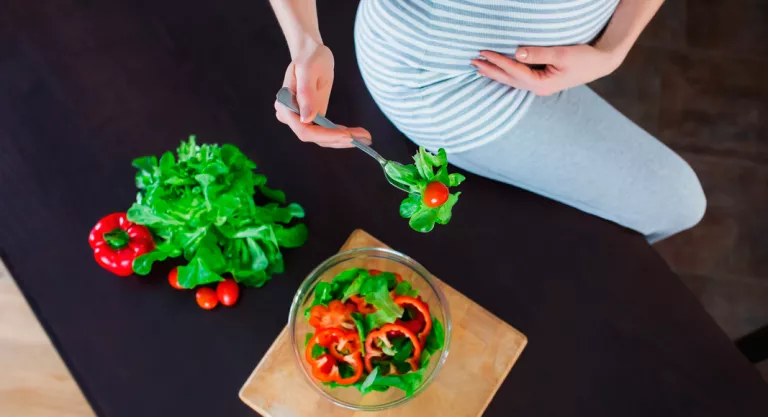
{"x":576,"y":148}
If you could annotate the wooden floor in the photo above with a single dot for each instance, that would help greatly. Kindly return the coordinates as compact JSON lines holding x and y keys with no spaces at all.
{"x":34,"y":382}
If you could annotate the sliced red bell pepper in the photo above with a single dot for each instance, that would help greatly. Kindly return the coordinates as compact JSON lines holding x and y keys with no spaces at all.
{"x":343,"y":346}
{"x":362,"y":305}
{"x":337,"y":314}
{"x":116,"y":242}
{"x":422,"y":308}
{"x":414,"y":325}
{"x":323,"y":367}
{"x":382,"y":335}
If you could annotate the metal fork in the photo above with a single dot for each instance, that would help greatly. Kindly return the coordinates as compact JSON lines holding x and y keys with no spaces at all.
{"x":288,"y":99}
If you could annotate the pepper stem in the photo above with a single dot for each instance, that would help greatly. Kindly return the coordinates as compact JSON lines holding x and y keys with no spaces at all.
{"x":117,"y":238}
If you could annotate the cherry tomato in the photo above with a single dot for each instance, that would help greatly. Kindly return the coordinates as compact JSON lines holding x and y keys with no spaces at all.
{"x":173,"y":279}
{"x":206,"y":298}
{"x":436,"y":194}
{"x":228,"y":292}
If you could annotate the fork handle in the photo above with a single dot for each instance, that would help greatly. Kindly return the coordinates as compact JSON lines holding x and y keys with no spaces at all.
{"x":288,"y":99}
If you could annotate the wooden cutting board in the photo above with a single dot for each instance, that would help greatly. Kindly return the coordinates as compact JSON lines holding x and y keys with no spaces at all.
{"x":483,"y":350}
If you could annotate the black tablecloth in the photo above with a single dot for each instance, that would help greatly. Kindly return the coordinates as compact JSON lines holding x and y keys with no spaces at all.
{"x":86,"y":86}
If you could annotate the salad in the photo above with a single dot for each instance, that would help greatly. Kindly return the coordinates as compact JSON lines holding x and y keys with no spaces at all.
{"x":372,"y":332}
{"x":429,"y":200}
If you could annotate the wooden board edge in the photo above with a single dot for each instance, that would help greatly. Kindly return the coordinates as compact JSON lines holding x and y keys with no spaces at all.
{"x":519,"y":351}
{"x":360,"y":232}
{"x":506,"y":371}
{"x":240,"y":393}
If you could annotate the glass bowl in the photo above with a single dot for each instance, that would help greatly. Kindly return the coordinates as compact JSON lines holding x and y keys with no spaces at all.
{"x":369,"y":258}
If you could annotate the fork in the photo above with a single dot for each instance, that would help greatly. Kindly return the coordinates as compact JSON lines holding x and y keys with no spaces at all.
{"x":288,"y":99}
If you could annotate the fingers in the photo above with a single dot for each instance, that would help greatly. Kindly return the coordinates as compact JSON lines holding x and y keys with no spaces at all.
{"x":289,"y":80}
{"x":516,"y":70}
{"x":359,"y":133}
{"x":552,"y":55}
{"x":508,"y":71}
{"x":493,"y":72}
{"x":522,"y":78}
{"x":331,"y":138}
{"x":306,"y":94}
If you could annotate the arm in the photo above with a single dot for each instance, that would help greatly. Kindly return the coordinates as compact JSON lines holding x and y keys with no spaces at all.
{"x":569,"y":66}
{"x":310,"y":76}
{"x":629,"y":20}
{"x":298,"y":20}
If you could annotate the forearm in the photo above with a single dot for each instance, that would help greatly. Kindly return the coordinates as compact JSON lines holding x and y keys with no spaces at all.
{"x":298,"y":20}
{"x":628,"y":21}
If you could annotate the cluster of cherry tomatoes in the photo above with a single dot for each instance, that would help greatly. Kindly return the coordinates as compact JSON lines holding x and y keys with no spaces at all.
{"x":227,"y":292}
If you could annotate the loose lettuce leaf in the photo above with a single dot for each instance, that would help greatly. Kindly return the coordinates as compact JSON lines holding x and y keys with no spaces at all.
{"x":360,"y":324}
{"x":405,"y":288}
{"x":403,"y":352}
{"x":436,"y":338}
{"x":444,"y":211}
{"x":424,"y":220}
{"x":455,"y":179}
{"x":408,"y":382}
{"x":354,"y":287}
{"x":345,"y":369}
{"x":317,"y":351}
{"x":323,"y":295}
{"x":406,"y":175}
{"x":382,"y":300}
{"x":410,"y":205}
{"x":340,"y":283}
{"x":388,"y":350}
{"x":200,"y":204}
{"x":368,"y":381}
{"x":378,"y":319}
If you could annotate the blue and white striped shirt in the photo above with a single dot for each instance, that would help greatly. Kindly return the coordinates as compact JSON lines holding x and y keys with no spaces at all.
{"x":415,"y":59}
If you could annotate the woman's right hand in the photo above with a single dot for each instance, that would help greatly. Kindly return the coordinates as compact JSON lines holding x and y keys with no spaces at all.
{"x":310,"y":76}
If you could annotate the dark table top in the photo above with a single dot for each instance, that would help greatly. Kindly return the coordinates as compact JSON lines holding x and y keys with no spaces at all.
{"x":87,"y":86}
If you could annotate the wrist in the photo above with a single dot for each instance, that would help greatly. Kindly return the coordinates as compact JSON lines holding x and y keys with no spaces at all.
{"x":614,"y":55}
{"x":304,"y":42}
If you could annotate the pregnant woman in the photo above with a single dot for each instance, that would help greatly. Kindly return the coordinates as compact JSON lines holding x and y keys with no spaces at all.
{"x":500,"y":85}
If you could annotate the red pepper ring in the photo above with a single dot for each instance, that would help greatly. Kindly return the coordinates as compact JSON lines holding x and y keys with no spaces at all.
{"x":335,"y":315}
{"x":362,"y":306}
{"x":423,"y":309}
{"x":373,"y":351}
{"x":344,"y":346}
{"x":116,"y":242}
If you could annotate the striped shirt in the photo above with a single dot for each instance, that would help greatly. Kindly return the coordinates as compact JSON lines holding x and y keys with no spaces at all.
{"x":415,"y":55}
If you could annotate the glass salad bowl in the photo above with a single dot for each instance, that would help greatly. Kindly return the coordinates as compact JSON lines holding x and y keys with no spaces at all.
{"x":385,"y":260}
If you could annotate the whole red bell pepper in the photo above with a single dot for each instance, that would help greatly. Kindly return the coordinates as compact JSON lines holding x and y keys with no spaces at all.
{"x":116,"y":242}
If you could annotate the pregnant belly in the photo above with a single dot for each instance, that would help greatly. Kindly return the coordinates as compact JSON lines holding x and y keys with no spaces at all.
{"x":415,"y":55}
{"x":443,"y":35}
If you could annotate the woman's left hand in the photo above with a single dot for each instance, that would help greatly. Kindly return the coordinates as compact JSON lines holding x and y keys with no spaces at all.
{"x":566,"y":67}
